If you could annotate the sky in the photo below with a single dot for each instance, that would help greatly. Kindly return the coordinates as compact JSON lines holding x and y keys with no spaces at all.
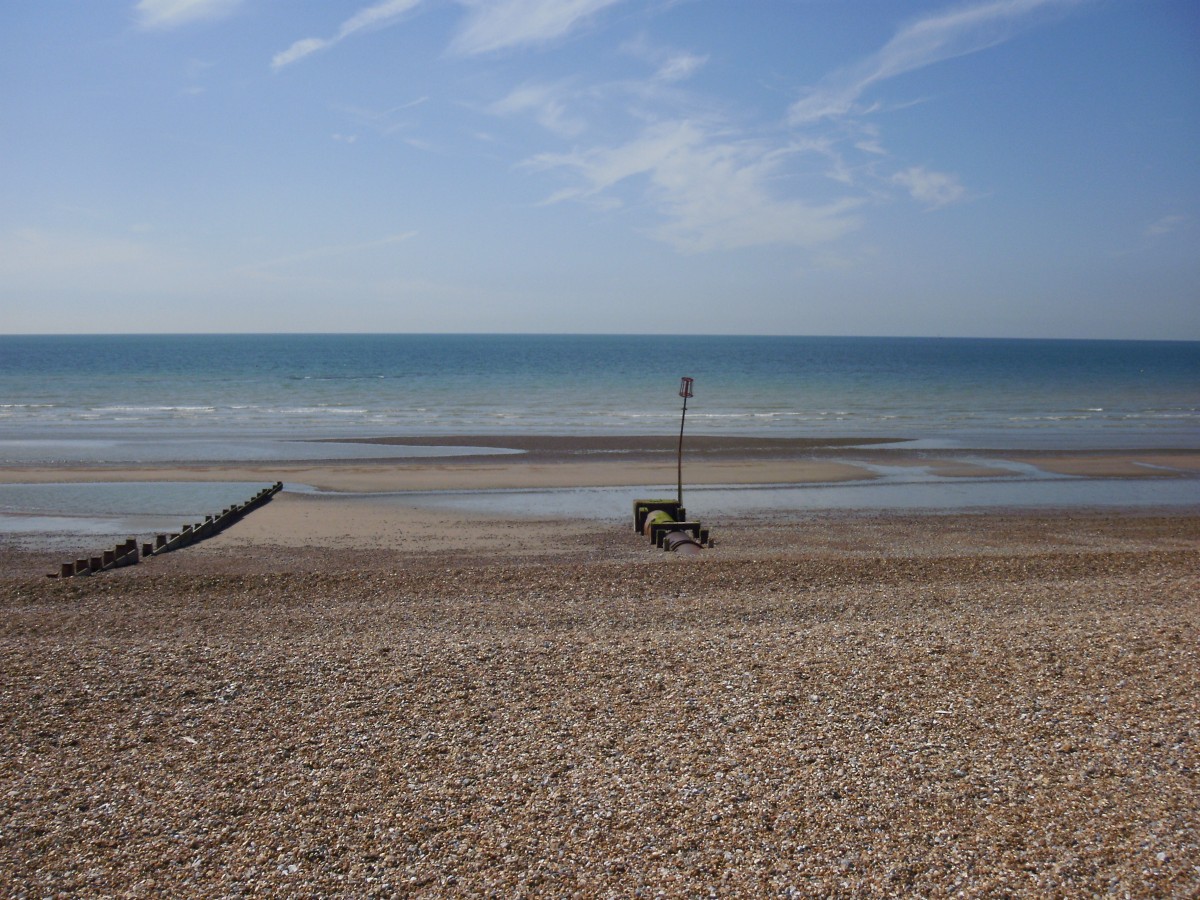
{"x":990,"y":168}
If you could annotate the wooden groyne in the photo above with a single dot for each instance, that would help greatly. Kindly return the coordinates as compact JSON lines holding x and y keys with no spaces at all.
{"x":665,"y":523}
{"x":128,"y":553}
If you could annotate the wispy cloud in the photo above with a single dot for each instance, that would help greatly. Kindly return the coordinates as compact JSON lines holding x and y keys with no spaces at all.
{"x":1166,"y":225}
{"x":712,"y":192}
{"x":672,"y":65}
{"x":166,"y":14}
{"x":489,"y":26}
{"x":502,"y":24}
{"x":568,"y":109}
{"x":713,"y":177}
{"x":950,"y":34}
{"x":379,"y":15}
{"x":680,"y":66}
{"x":547,"y":103}
{"x":837,"y":110}
{"x":386,"y":121}
{"x":717,"y":181}
{"x":933,"y":189}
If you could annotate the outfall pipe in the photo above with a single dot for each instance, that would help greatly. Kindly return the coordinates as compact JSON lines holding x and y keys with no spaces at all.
{"x":681,"y":542}
{"x":656,"y":519}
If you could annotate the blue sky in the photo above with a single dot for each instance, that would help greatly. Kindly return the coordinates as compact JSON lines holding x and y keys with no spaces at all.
{"x":1023,"y":168}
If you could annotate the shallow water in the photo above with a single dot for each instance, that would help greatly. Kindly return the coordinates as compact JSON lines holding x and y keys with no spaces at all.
{"x":114,"y":509}
{"x":62,"y":514}
{"x":896,"y":488}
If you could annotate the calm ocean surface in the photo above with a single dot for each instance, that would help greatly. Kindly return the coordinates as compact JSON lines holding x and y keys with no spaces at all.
{"x":130,"y":399}
{"x":77,"y":395}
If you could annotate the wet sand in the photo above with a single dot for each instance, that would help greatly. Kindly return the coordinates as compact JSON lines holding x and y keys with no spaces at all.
{"x":548,"y":461}
{"x":334,"y":698}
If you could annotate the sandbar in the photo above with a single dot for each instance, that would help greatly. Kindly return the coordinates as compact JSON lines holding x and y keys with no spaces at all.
{"x":549,"y":461}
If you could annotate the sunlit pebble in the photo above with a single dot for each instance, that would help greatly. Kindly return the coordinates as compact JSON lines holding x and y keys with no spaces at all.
{"x":777,"y":726}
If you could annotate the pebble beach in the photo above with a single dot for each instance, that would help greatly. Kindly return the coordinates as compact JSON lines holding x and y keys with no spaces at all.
{"x":976,"y":705}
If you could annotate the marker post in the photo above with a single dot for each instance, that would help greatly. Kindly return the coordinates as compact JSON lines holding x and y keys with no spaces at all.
{"x":685,"y":391}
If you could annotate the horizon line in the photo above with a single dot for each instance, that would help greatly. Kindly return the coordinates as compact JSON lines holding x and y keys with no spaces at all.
{"x":605,"y":334}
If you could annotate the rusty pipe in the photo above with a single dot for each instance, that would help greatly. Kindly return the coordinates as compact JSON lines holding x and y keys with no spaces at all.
{"x":681,"y":542}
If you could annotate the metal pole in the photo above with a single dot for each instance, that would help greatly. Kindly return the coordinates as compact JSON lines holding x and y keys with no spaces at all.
{"x":685,"y":391}
{"x":679,"y":459}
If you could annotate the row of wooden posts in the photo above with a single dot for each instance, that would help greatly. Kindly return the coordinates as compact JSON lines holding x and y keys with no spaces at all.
{"x":127,"y":553}
{"x":665,"y":523}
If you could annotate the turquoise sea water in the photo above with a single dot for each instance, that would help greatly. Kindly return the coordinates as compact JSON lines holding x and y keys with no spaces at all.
{"x":94,"y":390}
{"x":137,"y":399}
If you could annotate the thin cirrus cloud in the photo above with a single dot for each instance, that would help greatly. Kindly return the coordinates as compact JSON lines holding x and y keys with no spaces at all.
{"x":959,"y":32}
{"x":491,"y":25}
{"x":547,"y":103}
{"x":715,"y":189}
{"x":932,"y":189}
{"x":713,"y":183}
{"x":711,"y":192}
{"x":1166,"y":225}
{"x":167,"y":14}
{"x":681,"y":66}
{"x":672,"y":64}
{"x":371,"y":18}
{"x":502,"y":24}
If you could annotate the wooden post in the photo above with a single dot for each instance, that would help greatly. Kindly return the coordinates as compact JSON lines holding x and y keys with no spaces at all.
{"x":126,"y":554}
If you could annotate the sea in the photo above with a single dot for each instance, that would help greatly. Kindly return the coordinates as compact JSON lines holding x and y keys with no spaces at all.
{"x":143,"y":399}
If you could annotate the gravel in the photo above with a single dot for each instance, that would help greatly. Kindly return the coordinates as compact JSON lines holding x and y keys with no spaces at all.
{"x":932,"y":706}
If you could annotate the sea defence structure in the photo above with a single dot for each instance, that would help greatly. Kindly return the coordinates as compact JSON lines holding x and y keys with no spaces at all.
{"x":127,"y":554}
{"x":665,"y":523}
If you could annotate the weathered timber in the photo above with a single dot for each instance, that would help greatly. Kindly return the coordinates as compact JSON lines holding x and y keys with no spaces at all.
{"x":126,"y":553}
